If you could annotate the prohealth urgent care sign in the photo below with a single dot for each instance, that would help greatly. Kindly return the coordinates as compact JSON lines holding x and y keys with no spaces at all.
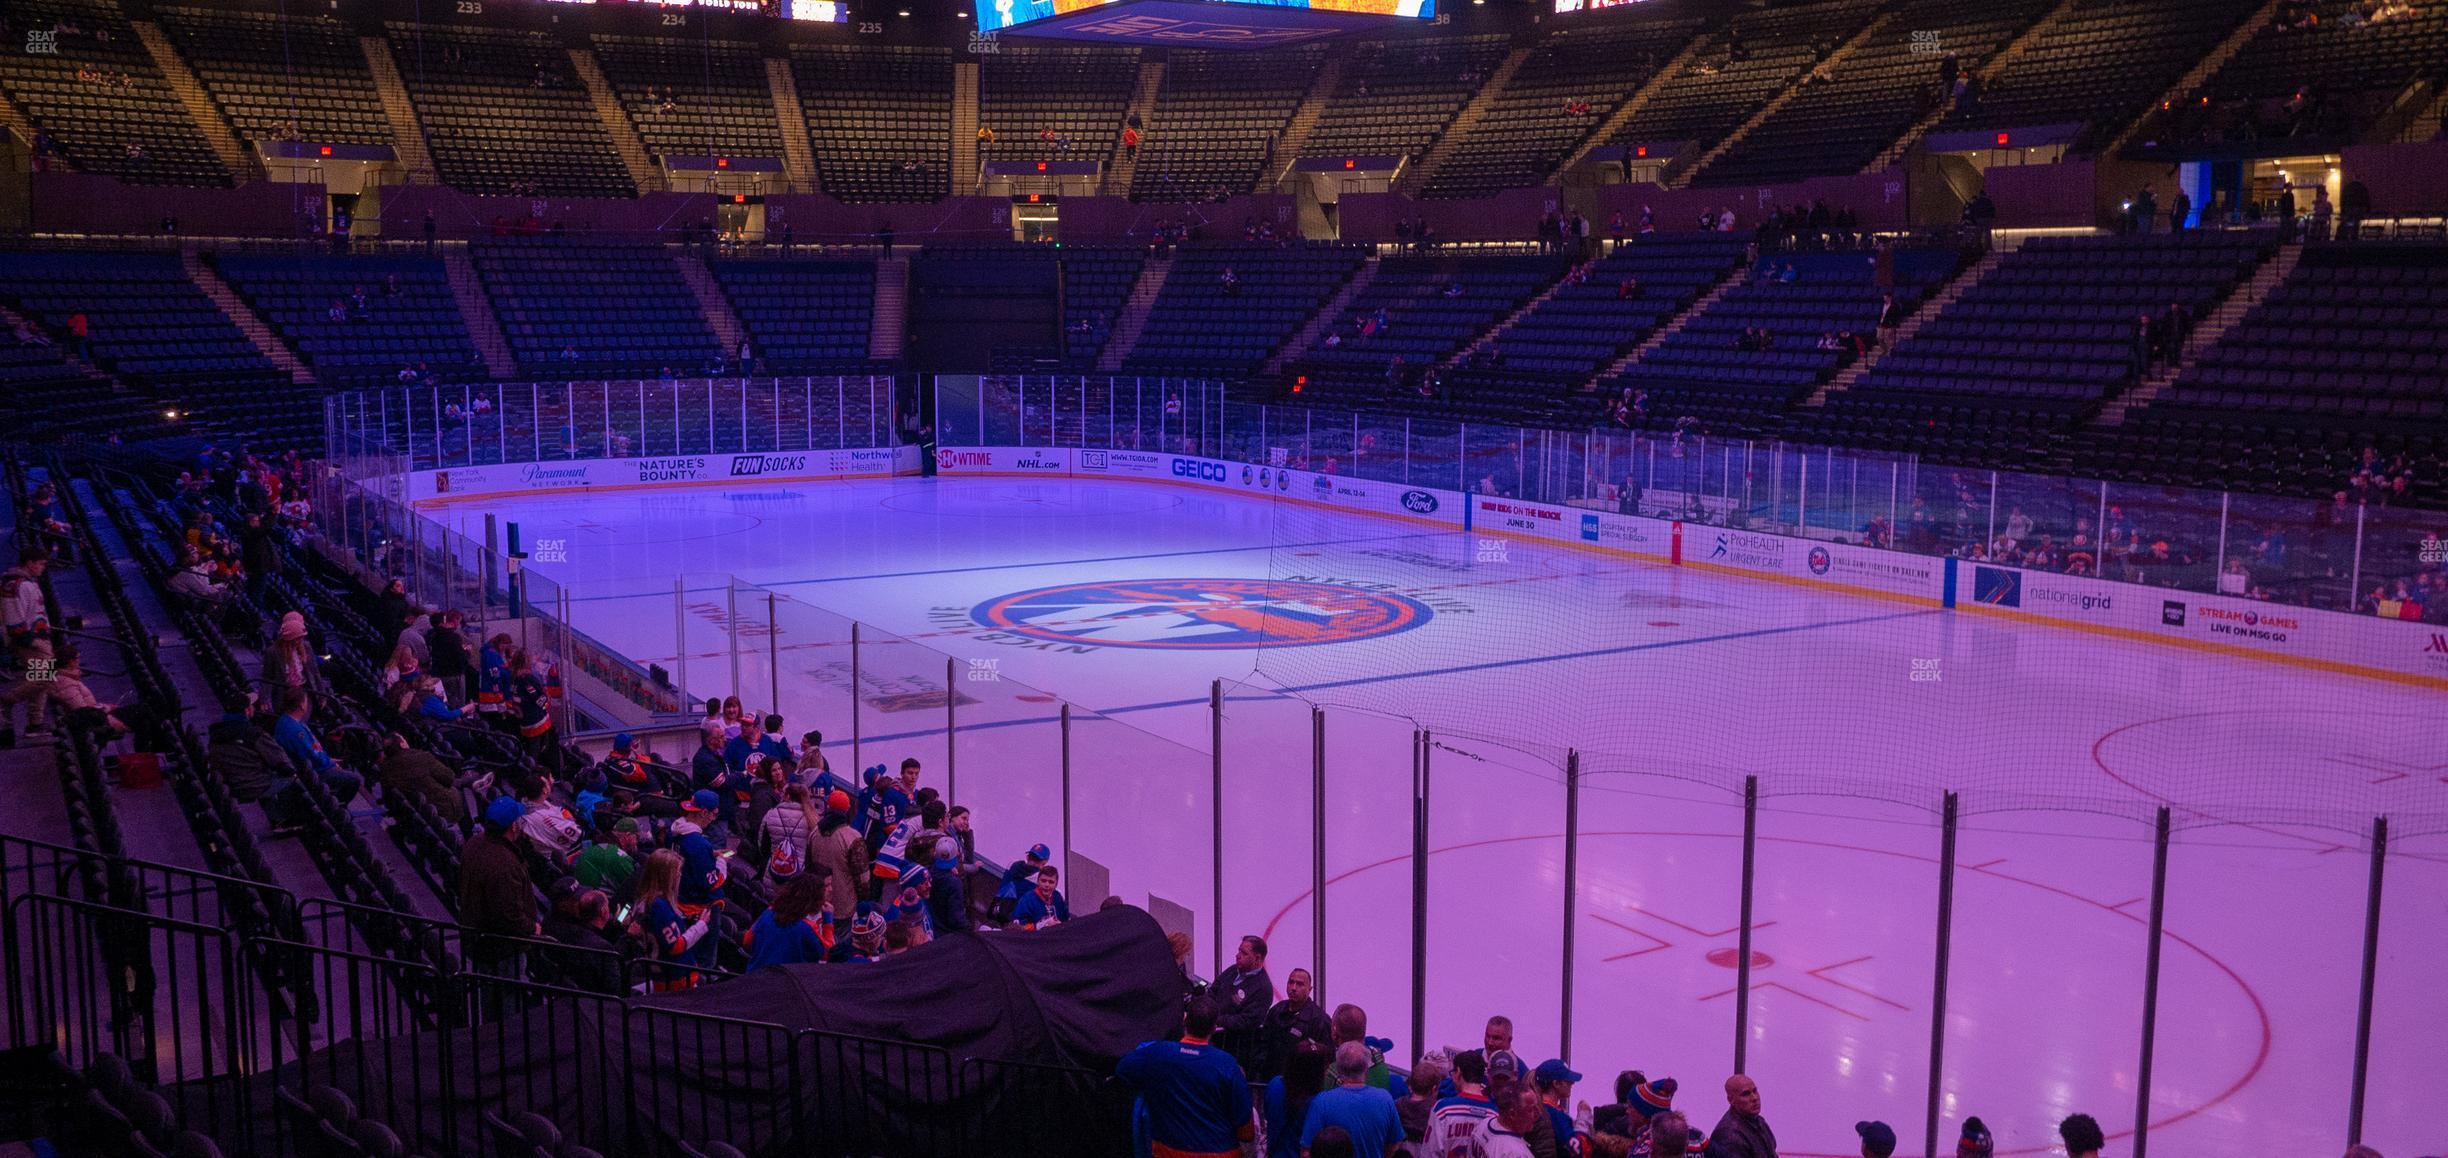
{"x":665,"y":470}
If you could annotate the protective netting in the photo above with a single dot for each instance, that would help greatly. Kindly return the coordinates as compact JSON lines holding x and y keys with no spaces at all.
{"x":1731,"y":669}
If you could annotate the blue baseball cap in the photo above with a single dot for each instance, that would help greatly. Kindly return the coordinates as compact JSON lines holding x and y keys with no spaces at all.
{"x":703,"y":801}
{"x":1040,"y":852}
{"x":1877,"y":1137}
{"x":503,"y":812}
{"x":623,"y":742}
{"x":1554,"y":1070}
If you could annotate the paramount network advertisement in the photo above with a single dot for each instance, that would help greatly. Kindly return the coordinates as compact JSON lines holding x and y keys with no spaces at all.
{"x":996,"y":15}
{"x":1276,"y":482}
{"x":511,"y":478}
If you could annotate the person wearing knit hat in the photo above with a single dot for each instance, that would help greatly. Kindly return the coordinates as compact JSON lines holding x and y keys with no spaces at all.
{"x":836,"y":848}
{"x":1878,"y":1139}
{"x":1975,"y":1142}
{"x":1650,"y":1098}
{"x":866,"y":937}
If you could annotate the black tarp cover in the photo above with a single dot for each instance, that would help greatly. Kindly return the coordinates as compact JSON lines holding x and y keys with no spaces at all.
{"x":1077,"y":995}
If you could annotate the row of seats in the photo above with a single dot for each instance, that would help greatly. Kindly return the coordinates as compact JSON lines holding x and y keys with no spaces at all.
{"x":1415,"y":312}
{"x":2100,"y":65}
{"x":278,"y":76}
{"x":503,"y":111}
{"x":1533,"y":370}
{"x":1395,"y":96}
{"x":137,"y":132}
{"x":1873,"y":95}
{"x":409,"y":318}
{"x":694,"y":96}
{"x":1831,"y":294}
{"x":2035,"y":347}
{"x":802,"y":315}
{"x":150,"y":325}
{"x":1054,"y":103}
{"x":879,"y":118}
{"x":2347,"y":352}
{"x":1554,"y":102}
{"x":1216,"y":122}
{"x":1198,"y":326}
{"x":584,"y":310}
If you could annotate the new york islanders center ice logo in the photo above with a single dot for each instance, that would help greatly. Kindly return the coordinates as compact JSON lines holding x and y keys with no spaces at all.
{"x":1202,"y":614}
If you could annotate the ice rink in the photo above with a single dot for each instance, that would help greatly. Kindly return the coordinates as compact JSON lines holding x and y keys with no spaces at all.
{"x":1126,"y":600}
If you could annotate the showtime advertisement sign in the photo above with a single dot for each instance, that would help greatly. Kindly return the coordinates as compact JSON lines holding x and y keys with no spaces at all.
{"x":530,"y":477}
{"x":1002,"y":460}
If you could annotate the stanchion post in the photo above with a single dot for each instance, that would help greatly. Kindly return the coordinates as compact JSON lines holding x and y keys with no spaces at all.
{"x":2371,"y":969}
{"x":951,"y":735}
{"x":773,"y":655}
{"x":1421,"y":744}
{"x":1572,"y":887}
{"x":680,"y":639}
{"x":1215,"y":815}
{"x":1742,"y":962}
{"x":857,"y":763}
{"x":1317,"y":850}
{"x":731,"y":632}
{"x":1938,"y":989}
{"x":1066,"y":791}
{"x":2150,"y":989}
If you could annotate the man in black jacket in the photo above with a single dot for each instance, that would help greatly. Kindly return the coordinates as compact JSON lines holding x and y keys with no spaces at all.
{"x":1293,"y":1020}
{"x":1243,"y":994}
{"x":243,"y":754}
{"x":258,"y":555}
{"x":450,"y":655}
{"x":582,"y":919}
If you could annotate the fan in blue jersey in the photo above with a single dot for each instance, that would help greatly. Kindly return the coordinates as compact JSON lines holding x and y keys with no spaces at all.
{"x":1196,"y":1102}
{"x":1018,"y":880}
{"x":797,"y":929}
{"x":1045,"y":907}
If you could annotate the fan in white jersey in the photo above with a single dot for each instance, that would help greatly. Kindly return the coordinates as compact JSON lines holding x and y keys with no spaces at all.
{"x":1453,"y":1121}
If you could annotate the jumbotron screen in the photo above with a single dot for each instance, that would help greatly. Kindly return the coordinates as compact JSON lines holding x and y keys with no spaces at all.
{"x":1197,"y":23}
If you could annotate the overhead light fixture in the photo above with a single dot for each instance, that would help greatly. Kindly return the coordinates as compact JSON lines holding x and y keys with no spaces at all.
{"x":905,"y":14}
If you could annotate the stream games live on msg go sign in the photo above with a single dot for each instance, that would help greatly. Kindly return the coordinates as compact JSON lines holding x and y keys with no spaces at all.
{"x":1195,"y":23}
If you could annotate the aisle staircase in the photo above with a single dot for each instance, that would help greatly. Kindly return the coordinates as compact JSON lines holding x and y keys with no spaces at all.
{"x":798,"y":153}
{"x":967,"y":166}
{"x":2253,"y":292}
{"x":1304,"y":122}
{"x":1488,"y":336}
{"x":258,"y":332}
{"x":242,"y":163}
{"x":625,"y":141}
{"x":888,"y":318}
{"x":2202,"y":70}
{"x":1466,"y":122}
{"x":476,"y":311}
{"x":1987,"y":71}
{"x":1323,"y":320}
{"x":1784,"y":96}
{"x":711,"y":301}
{"x":1931,"y":307}
{"x":1657,"y":337}
{"x":1615,"y":122}
{"x":407,"y":134}
{"x":1120,"y":166}
{"x":1133,"y":320}
{"x":13,"y":123}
